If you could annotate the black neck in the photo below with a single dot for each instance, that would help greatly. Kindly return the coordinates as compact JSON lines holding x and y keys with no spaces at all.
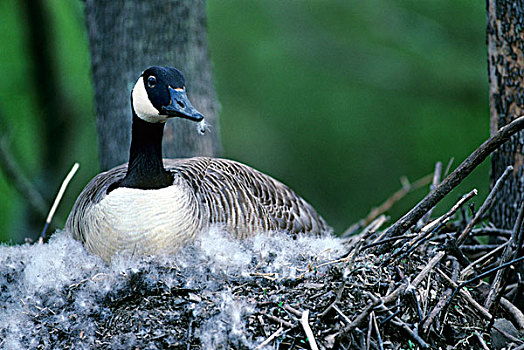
{"x":145,"y":168}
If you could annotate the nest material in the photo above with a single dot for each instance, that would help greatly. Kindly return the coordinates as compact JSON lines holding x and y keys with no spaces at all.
{"x":359,"y":302}
{"x":381,"y":293}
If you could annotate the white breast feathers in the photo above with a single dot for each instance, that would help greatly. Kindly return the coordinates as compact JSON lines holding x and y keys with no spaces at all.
{"x":142,"y":221}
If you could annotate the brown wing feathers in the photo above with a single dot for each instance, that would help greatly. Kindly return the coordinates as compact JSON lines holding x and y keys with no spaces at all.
{"x":243,"y":197}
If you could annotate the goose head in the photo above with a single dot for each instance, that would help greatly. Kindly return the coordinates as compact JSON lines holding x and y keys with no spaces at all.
{"x":160,"y":94}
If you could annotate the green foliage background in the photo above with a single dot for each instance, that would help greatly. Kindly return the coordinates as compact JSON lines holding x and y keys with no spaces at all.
{"x":338,"y":99}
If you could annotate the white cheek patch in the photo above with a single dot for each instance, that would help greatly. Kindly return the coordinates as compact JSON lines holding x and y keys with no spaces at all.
{"x":143,"y":107}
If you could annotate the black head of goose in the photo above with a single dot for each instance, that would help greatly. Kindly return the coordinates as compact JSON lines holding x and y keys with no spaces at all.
{"x":153,"y":205}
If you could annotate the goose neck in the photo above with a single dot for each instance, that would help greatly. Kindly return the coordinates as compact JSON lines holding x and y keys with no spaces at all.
{"x":145,"y":168}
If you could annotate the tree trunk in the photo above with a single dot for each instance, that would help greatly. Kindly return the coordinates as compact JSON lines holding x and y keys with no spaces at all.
{"x":128,"y":36}
{"x":505,"y":34}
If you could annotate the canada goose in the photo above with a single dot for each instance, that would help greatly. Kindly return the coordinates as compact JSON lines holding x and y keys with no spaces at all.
{"x":153,"y":205}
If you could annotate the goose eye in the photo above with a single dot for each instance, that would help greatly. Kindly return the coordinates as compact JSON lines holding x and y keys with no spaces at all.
{"x":151,"y":81}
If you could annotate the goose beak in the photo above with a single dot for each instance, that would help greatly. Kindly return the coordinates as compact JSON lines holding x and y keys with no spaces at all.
{"x":179,"y":106}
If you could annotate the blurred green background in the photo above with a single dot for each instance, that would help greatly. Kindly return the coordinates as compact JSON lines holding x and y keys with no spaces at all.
{"x":337,"y":99}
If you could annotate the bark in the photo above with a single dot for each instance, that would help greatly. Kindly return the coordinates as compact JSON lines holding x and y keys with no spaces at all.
{"x":125,"y":38}
{"x":505,"y":34}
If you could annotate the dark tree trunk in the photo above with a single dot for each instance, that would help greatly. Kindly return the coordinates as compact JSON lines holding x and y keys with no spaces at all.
{"x":125,"y":38}
{"x":505,"y":34}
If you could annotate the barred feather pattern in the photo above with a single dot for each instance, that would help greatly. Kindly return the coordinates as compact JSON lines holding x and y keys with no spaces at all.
{"x":212,"y":191}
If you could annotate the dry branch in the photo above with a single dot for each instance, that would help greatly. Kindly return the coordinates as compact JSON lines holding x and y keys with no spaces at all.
{"x":434,"y":183}
{"x":388,"y":203}
{"x":511,"y":249}
{"x":517,"y":314}
{"x":270,"y":338}
{"x":304,"y":321}
{"x":456,"y":177}
{"x":485,"y":206}
{"x":58,"y":198}
{"x":430,"y":228}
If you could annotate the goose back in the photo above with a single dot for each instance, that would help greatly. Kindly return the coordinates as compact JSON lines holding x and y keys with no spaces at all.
{"x":246,"y":200}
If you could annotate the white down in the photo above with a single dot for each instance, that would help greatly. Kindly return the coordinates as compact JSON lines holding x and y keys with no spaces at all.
{"x":142,"y":221}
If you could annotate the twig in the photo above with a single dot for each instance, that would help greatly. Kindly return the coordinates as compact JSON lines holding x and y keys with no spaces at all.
{"x":379,"y":337}
{"x":481,"y":276}
{"x":465,"y":294}
{"x":491,"y":231}
{"x":331,"y":262}
{"x":262,"y":324}
{"x":375,"y":225}
{"x":485,"y":206}
{"x":370,"y":327}
{"x":429,"y":266}
{"x":430,"y":228}
{"x":15,"y":175}
{"x":335,"y":307}
{"x":412,"y":333}
{"x":292,"y":310}
{"x":340,"y":291}
{"x":445,"y":218}
{"x":370,"y":229}
{"x":508,"y":336}
{"x":436,"y":180}
{"x":514,"y":311}
{"x":307,"y":329}
{"x":387,"y":204}
{"x":501,"y":275}
{"x":448,"y":167}
{"x":442,"y":301}
{"x":480,"y":247}
{"x":440,"y":305}
{"x":361,"y":317}
{"x":281,"y":321}
{"x":57,"y":200}
{"x":481,"y":341}
{"x":387,"y":240}
{"x":270,"y":339}
{"x":456,"y":177}
{"x":519,"y":232}
{"x":400,"y":323}
{"x":394,"y":294}
{"x":481,"y":259}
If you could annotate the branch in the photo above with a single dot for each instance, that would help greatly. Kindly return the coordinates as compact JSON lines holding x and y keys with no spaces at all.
{"x":510,"y":252}
{"x":456,"y":177}
{"x":388,"y":203}
{"x":58,"y":198}
{"x":485,"y":206}
{"x":270,"y":339}
{"x":307,"y":329}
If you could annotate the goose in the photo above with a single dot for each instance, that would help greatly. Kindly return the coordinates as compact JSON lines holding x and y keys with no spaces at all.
{"x":152,"y":205}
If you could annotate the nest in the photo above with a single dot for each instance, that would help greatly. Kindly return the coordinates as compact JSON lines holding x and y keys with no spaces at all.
{"x":380,"y":293}
{"x":423,"y":282}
